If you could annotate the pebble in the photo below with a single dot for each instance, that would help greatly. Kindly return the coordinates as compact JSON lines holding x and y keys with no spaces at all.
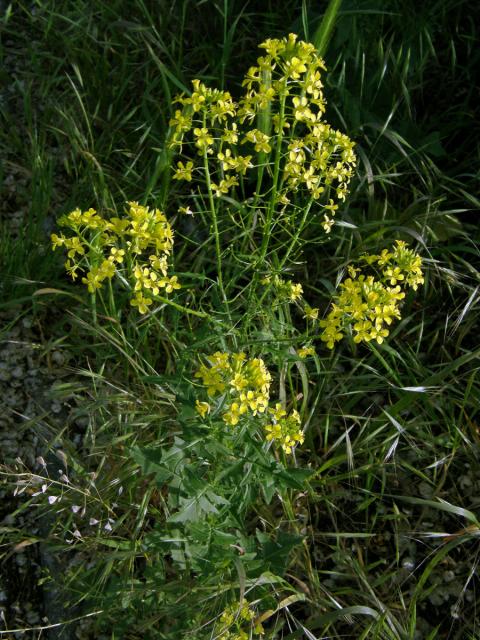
{"x":57,"y":357}
{"x":26,"y":389}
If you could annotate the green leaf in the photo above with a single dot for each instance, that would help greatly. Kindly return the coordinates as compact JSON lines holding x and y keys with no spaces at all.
{"x":194,"y":508}
{"x":442,"y":505}
{"x":276,"y":551}
{"x":269,"y":487}
{"x":148,"y":459}
{"x":293,"y":478}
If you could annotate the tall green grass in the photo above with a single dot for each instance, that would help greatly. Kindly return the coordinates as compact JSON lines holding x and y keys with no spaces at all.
{"x":382,"y":540}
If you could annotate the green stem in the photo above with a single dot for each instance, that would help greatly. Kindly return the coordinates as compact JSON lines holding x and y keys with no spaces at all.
{"x":216,"y":234}
{"x":324,"y":31}
{"x":179,"y":307}
{"x":300,"y":228}
{"x":276,"y":172}
{"x":294,"y":242}
{"x":111,"y":299}
{"x":264,"y":122}
{"x":93,"y":300}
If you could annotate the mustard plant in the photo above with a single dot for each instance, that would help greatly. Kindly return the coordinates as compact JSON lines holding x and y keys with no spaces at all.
{"x":257,"y":177}
{"x":270,"y":165}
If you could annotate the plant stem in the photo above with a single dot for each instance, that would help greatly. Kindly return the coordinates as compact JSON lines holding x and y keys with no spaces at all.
{"x":276,"y":171}
{"x":93,"y":301}
{"x":300,"y":228}
{"x":216,"y":234}
{"x":179,"y":307}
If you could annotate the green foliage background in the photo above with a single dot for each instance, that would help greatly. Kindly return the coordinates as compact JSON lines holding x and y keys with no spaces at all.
{"x":357,"y":538}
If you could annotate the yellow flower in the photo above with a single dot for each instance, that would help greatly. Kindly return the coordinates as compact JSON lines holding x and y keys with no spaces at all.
{"x":259,"y":139}
{"x":245,"y":382}
{"x":184,"y":171}
{"x":212,"y":379}
{"x":306,"y":351}
{"x":202,"y":408}
{"x":74,"y":246}
{"x":71,"y":269}
{"x":296,"y":291}
{"x":239,"y":382}
{"x":226,"y":159}
{"x":141,"y":302}
{"x":203,"y":138}
{"x":57,"y":241}
{"x":310,"y":314}
{"x":232,"y":416}
{"x":107,"y":269}
{"x":230,"y":135}
{"x":252,"y":75}
{"x":93,"y":280}
{"x":394,"y":274}
{"x":302,"y":110}
{"x":242,"y":163}
{"x":254,"y":401}
{"x":294,"y":68}
{"x":327,"y":224}
{"x":118,"y":225}
{"x":170,"y":284}
{"x":273,"y":47}
{"x":116,"y":255}
{"x":285,"y":429}
{"x":159,"y":263}
{"x":75,"y":216}
{"x":225,"y":185}
{"x":277,"y":412}
{"x":180,"y":121}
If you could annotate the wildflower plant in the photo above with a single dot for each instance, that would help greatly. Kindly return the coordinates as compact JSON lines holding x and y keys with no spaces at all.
{"x":258,"y":176}
{"x":260,"y":171}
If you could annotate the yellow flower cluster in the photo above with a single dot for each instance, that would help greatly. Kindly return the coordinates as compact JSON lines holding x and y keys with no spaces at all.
{"x":286,"y":84}
{"x":284,"y":428}
{"x":246,"y":383}
{"x":370,"y":303}
{"x":285,"y":289}
{"x":135,"y":247}
{"x":237,"y":622}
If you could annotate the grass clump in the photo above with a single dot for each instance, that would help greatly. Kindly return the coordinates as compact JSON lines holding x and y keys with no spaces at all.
{"x":278,"y":422}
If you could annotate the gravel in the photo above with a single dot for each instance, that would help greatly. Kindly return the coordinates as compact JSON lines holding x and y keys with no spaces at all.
{"x":28,"y":373}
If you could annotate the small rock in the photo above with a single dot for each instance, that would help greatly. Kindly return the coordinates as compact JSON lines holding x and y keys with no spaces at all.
{"x":58,"y":358}
{"x":18,"y":372}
